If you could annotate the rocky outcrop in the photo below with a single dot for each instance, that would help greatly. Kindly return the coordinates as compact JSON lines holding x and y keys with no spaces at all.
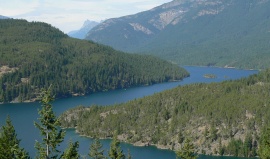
{"x":194,"y":32}
{"x":157,"y":19}
{"x":7,"y":69}
{"x":82,"y":32}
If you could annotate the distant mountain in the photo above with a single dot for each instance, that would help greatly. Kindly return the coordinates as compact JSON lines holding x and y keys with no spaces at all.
{"x":232,"y":33}
{"x":81,"y":34}
{"x":3,"y":17}
{"x":35,"y":55}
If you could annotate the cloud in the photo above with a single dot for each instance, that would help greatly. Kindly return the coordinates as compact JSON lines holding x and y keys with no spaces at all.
{"x":17,"y":7}
{"x":70,"y":14}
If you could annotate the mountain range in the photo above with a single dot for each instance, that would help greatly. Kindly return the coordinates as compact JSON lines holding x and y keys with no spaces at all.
{"x":3,"y":17}
{"x":227,"y":33}
{"x":82,"y":32}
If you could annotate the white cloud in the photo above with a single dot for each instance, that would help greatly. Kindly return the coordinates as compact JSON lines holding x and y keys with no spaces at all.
{"x":70,"y":14}
{"x":17,"y":7}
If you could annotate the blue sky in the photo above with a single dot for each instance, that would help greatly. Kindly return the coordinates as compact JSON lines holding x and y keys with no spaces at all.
{"x":69,"y":15}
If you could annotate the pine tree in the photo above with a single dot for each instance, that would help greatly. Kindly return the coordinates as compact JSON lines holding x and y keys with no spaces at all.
{"x":264,"y":148}
{"x":9,"y":144}
{"x":115,"y":149}
{"x":72,"y":151}
{"x":221,"y":148}
{"x":247,"y":146}
{"x":129,"y":155}
{"x":96,"y":151}
{"x":48,"y":127}
{"x":187,"y":151}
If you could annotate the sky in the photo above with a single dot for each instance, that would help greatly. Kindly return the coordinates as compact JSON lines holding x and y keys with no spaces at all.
{"x":68,"y":15}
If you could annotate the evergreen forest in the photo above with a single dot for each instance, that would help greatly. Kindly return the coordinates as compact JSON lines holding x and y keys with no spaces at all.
{"x":34,"y":55}
{"x":224,"y":118}
{"x":52,"y":137}
{"x":232,"y":33}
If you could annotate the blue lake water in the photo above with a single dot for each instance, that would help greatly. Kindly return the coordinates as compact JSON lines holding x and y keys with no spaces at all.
{"x":23,"y":115}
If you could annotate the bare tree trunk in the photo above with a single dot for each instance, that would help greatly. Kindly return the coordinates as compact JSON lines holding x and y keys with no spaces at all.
{"x":47,"y":136}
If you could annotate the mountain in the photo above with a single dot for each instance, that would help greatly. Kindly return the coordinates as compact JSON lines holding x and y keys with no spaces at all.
{"x":226,"y":33}
{"x":35,"y":55}
{"x":3,"y":17}
{"x":80,"y":34}
{"x":219,"y":118}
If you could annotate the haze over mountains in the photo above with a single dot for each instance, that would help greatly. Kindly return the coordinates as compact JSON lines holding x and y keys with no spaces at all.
{"x":3,"y":17}
{"x":227,"y":33}
{"x":82,"y":32}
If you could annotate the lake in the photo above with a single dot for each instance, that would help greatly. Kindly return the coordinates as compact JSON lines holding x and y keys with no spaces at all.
{"x":23,"y":115}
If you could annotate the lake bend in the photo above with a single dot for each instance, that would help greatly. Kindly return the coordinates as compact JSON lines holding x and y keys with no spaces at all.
{"x":23,"y":115}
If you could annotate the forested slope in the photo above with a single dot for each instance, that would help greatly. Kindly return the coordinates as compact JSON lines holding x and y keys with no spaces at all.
{"x":232,"y":33}
{"x":220,"y":118}
{"x":35,"y":55}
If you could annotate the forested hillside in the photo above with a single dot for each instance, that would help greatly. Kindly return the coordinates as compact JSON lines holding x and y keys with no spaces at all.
{"x":35,"y":55}
{"x":226,"y":33}
{"x":219,"y":118}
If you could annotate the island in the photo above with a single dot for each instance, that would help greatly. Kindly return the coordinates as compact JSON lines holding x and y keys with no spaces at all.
{"x":209,"y":76}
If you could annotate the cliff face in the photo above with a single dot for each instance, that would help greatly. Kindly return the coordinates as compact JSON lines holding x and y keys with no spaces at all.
{"x":82,"y":32}
{"x":215,"y":31}
{"x":152,"y":22}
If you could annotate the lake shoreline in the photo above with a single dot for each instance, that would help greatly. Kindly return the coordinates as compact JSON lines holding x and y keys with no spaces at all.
{"x":23,"y":114}
{"x":140,"y":143}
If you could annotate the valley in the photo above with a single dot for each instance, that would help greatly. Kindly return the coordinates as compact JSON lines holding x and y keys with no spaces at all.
{"x":187,"y":73}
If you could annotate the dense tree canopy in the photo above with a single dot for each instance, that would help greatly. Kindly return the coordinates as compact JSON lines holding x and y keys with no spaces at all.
{"x":35,"y":55}
{"x":264,"y":149}
{"x":220,"y":117}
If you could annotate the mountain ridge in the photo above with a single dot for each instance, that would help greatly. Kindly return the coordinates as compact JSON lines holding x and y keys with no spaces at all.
{"x":82,"y":32}
{"x":3,"y":17}
{"x":35,"y":55}
{"x":197,"y":32}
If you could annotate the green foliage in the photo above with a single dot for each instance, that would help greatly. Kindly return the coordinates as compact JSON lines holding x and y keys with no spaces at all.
{"x":230,"y":33}
{"x":48,"y":127}
{"x":234,"y":147}
{"x":264,"y":148}
{"x":72,"y":151}
{"x":36,"y":54}
{"x":115,"y":151}
{"x":96,"y":151}
{"x":9,"y":144}
{"x":208,"y":113}
{"x":129,"y":155}
{"x":221,"y":149}
{"x":187,"y":151}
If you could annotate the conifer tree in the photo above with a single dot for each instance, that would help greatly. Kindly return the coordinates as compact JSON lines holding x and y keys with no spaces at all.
{"x":72,"y":151}
{"x":48,"y":127}
{"x":9,"y":144}
{"x":264,"y":148}
{"x":96,"y":151}
{"x":129,"y":155}
{"x":187,"y":151}
{"x":115,"y":149}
